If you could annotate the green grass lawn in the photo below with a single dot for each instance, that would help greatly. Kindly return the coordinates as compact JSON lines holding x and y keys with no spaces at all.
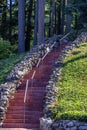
{"x":71,"y":101}
{"x":6,"y":66}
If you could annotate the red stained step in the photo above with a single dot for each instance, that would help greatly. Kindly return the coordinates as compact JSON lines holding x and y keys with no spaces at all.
{"x":20,"y":125}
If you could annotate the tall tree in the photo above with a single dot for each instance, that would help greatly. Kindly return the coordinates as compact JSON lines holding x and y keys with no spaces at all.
{"x":36,"y":23}
{"x":62,"y":15}
{"x":21,"y":26}
{"x":10,"y":25}
{"x":68,"y":17}
{"x":29,"y":25}
{"x":52,"y":18}
{"x":58,"y":29}
{"x":4,"y":16}
{"x":41,"y":9}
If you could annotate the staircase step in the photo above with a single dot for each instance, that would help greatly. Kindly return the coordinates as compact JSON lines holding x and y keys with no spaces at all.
{"x":26,"y":112}
{"x":27,"y":120}
{"x":21,"y":105}
{"x":38,"y":89}
{"x":18,"y":129}
{"x":20,"y":125}
{"x":21,"y":116}
{"x":28,"y":108}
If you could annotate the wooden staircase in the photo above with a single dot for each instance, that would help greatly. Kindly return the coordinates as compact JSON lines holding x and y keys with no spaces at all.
{"x":20,"y":115}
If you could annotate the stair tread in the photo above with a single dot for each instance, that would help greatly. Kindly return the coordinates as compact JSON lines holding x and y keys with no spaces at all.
{"x":20,"y":125}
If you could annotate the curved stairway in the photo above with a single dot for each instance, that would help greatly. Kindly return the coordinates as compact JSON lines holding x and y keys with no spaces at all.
{"x":20,"y":115}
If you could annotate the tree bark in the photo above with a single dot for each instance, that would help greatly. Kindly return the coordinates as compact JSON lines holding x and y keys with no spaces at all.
{"x":62,"y":15}
{"x":68,"y":23}
{"x":52,"y":18}
{"x":10,"y":25}
{"x":28,"y":32}
{"x":68,"y":18}
{"x":36,"y":24}
{"x":3,"y":25}
{"x":58,"y":29}
{"x":41,"y":8}
{"x":21,"y":26}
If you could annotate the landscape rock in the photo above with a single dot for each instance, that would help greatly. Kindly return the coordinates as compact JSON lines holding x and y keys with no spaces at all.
{"x":45,"y":124}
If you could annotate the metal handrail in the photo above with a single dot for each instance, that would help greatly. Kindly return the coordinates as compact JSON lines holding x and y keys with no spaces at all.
{"x":27,"y":82}
{"x":48,"y":50}
{"x":63,"y":37}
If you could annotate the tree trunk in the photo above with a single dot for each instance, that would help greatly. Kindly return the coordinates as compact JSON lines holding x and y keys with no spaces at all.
{"x":76,"y":21}
{"x":21,"y":26}
{"x":28,"y":32}
{"x":68,"y":18}
{"x":55,"y":19}
{"x":3,"y":25}
{"x":36,"y":23}
{"x":59,"y":19}
{"x":68,"y":23}
{"x":10,"y":25}
{"x":52,"y":18}
{"x":62,"y":15}
{"x":41,"y":8}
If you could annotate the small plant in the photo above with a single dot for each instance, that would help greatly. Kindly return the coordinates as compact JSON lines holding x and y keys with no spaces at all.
{"x":7,"y":64}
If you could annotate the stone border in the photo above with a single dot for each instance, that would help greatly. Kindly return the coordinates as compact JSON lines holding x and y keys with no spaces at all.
{"x":46,"y":123}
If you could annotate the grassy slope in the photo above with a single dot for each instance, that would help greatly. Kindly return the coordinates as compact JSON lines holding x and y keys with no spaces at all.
{"x":71,"y":102}
{"x":6,"y":66}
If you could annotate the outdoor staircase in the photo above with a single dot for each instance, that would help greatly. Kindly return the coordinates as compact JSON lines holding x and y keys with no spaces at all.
{"x":20,"y":115}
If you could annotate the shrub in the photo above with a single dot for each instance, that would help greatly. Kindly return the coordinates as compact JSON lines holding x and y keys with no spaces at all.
{"x":6,"y":50}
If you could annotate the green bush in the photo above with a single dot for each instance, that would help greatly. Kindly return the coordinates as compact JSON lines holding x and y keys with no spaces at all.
{"x":6,"y":65}
{"x":6,"y":50}
{"x":73,"y":115}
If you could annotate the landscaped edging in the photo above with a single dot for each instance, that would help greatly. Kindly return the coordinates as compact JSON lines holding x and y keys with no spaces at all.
{"x":46,"y":123}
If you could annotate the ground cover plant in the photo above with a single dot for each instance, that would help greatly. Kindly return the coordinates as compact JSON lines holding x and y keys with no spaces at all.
{"x":8,"y":58}
{"x":6,"y":65}
{"x":71,"y":101}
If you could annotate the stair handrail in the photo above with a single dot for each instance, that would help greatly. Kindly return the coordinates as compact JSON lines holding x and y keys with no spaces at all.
{"x":27,"y":82}
{"x":48,"y":50}
{"x":64,"y":37}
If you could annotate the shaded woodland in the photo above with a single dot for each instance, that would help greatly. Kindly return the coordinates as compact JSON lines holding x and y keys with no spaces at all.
{"x":25,"y":23}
